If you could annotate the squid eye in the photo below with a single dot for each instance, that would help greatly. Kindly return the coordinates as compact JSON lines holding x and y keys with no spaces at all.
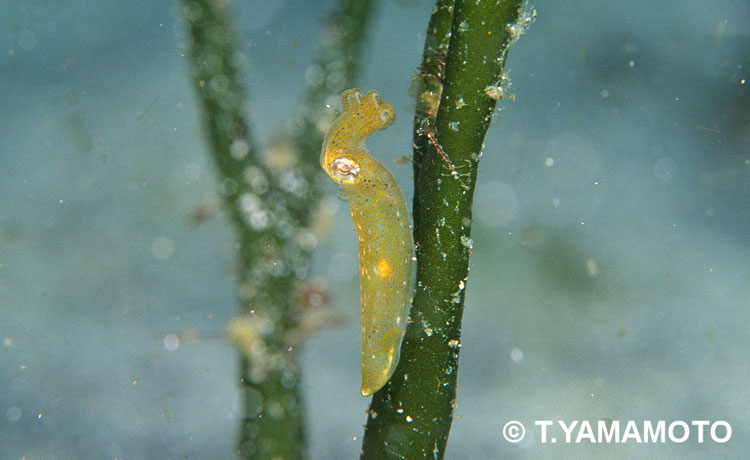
{"x":345,"y":169}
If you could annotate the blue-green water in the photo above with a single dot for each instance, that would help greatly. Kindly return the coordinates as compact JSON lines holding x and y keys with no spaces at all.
{"x":610,"y":271}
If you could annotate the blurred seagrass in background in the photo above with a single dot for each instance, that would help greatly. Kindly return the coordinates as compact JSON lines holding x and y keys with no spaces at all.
{"x":272,"y":196}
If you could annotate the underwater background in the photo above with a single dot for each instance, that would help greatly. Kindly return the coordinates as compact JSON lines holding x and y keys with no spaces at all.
{"x":609,"y":276}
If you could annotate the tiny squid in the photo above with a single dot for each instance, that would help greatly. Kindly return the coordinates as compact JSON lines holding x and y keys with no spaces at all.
{"x":386,"y":247}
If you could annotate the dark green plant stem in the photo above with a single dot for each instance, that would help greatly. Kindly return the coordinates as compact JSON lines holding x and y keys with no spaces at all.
{"x":435,"y":49}
{"x":271,"y":201}
{"x":410,"y":417}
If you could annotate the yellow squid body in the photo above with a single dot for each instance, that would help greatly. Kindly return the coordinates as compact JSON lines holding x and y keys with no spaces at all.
{"x":380,"y":215}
